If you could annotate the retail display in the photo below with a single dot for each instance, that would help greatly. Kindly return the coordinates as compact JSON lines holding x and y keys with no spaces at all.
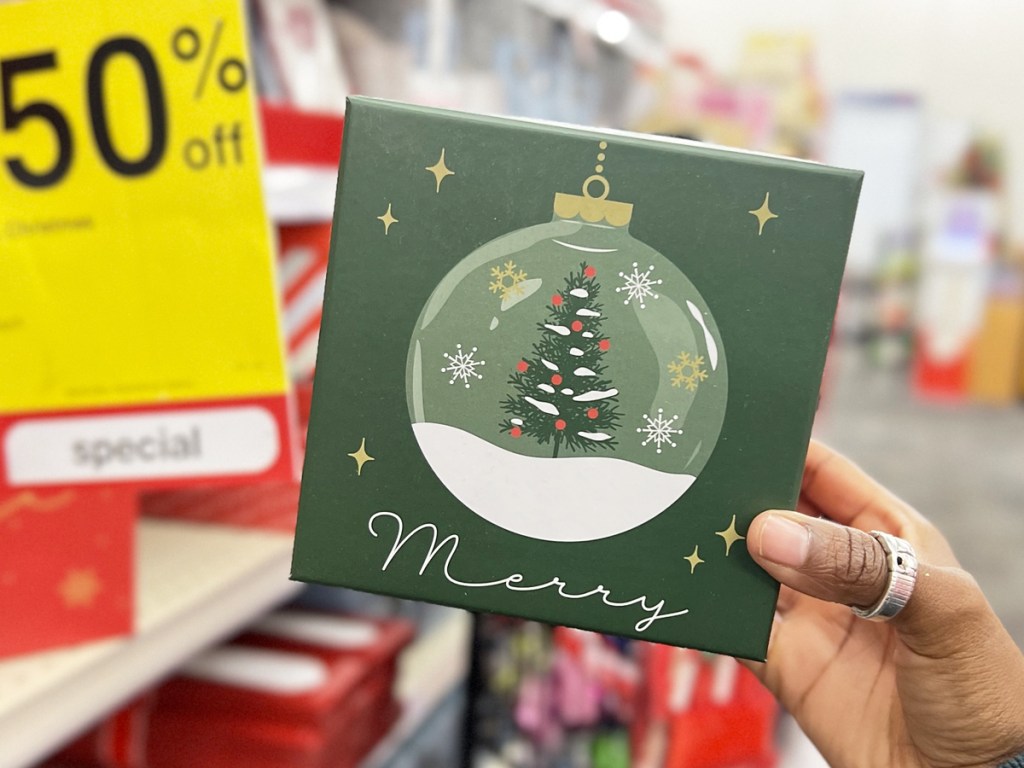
{"x":299,"y":688}
{"x":998,"y":351}
{"x":267,"y":506}
{"x":303,"y":53}
{"x":549,"y":697}
{"x":570,"y":417}
{"x":118,"y":742}
{"x":137,"y":286}
{"x":963,"y":225}
{"x":302,"y":274}
{"x":67,"y":567}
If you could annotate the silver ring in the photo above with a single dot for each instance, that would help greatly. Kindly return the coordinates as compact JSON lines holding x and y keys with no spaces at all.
{"x":902,"y":564}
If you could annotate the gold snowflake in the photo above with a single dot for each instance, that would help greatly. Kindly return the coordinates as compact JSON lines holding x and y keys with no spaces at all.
{"x":688,"y":371}
{"x":507,"y":280}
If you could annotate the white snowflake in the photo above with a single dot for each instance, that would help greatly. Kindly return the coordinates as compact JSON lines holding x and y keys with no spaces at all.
{"x":462,"y":366}
{"x":638,"y":285}
{"x":659,"y":430}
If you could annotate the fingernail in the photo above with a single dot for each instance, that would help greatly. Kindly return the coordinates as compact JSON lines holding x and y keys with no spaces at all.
{"x":784,"y":542}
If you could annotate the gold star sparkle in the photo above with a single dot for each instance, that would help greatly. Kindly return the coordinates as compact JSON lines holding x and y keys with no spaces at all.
{"x":388,"y":219}
{"x":440,"y":171}
{"x":79,"y":588}
{"x":361,"y":457}
{"x":763,"y":214}
{"x":694,"y":559}
{"x":730,"y":535}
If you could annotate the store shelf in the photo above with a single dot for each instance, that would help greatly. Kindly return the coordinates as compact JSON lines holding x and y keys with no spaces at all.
{"x":430,"y":669}
{"x":298,"y":194}
{"x":302,"y":152}
{"x":196,"y":584}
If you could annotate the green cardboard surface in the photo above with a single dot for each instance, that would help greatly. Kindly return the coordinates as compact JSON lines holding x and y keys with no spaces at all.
{"x":561,"y":369}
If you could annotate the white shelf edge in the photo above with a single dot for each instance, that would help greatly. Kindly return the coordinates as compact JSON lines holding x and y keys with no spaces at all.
{"x":429,"y":670}
{"x":297,"y":194}
{"x":87,"y":682}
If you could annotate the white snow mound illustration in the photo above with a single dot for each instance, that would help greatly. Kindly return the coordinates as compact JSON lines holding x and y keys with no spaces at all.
{"x":575,"y":498}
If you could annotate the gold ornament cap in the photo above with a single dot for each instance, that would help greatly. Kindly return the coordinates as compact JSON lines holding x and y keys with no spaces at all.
{"x":593,"y":209}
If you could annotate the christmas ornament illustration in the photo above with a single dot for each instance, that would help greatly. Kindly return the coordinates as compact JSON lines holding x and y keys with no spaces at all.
{"x":605,"y":384}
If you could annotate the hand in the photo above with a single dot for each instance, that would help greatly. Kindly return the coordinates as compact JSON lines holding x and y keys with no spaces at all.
{"x":941,"y":684}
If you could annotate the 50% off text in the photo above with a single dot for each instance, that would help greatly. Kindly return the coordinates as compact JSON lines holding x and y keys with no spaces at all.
{"x":220,"y":146}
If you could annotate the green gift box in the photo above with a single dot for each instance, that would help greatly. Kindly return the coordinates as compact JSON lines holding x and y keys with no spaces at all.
{"x":561,"y":369}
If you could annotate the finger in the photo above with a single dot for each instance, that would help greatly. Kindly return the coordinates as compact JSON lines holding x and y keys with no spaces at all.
{"x":844,"y":565}
{"x":805,"y":507}
{"x":818,"y":557}
{"x":803,"y":642}
{"x":844,"y":493}
{"x":788,"y":600}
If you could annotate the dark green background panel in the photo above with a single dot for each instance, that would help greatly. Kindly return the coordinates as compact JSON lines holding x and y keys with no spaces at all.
{"x":772,"y":296}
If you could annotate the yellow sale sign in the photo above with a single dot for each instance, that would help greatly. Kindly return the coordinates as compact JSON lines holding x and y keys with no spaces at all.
{"x":139,"y":329}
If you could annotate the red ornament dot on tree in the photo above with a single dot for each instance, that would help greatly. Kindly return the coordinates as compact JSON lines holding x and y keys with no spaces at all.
{"x":576,"y":326}
{"x":556,"y":300}
{"x":522,"y":366}
{"x":516,"y":432}
{"x":556,"y":379}
{"x":592,"y":413}
{"x":604,"y":345}
{"x":589,"y":271}
{"x":559,"y":424}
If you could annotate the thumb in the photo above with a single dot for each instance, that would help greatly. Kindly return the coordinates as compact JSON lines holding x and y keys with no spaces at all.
{"x":848,"y":566}
{"x":819,"y":558}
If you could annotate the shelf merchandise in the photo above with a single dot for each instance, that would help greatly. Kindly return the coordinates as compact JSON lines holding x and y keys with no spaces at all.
{"x":153,"y":356}
{"x":268,"y":506}
{"x":298,"y":689}
{"x":304,"y":55}
{"x":67,"y":567}
{"x":563,"y":698}
{"x":302,"y":274}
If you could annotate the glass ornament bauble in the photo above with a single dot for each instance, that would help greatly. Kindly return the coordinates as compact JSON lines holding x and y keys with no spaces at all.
{"x":566,"y":381}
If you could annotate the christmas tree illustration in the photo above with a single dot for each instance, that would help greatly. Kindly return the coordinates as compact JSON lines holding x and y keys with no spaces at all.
{"x":560,"y":393}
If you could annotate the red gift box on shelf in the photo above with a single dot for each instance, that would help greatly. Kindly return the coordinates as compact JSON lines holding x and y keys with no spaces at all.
{"x":711,"y":711}
{"x":248,"y":706}
{"x":189,"y":742}
{"x":266,"y":506}
{"x":335,"y":638}
{"x":302,"y":276}
{"x":117,"y":742}
{"x":299,"y":689}
{"x":67,"y":564}
{"x":302,"y":152}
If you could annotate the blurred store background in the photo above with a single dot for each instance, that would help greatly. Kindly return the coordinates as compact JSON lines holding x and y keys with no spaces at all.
{"x":923,"y":385}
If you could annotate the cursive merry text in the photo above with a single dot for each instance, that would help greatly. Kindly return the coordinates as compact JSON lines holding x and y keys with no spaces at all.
{"x":513,"y":582}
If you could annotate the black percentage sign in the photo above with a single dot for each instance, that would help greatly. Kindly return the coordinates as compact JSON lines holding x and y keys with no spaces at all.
{"x":187,"y":45}
{"x":223,"y":145}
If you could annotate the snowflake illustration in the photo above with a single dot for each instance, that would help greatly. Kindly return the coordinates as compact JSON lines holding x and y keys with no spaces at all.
{"x":659,"y":430}
{"x":462,"y":366}
{"x":507,"y":280}
{"x":689,"y":371}
{"x":638,"y":285}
